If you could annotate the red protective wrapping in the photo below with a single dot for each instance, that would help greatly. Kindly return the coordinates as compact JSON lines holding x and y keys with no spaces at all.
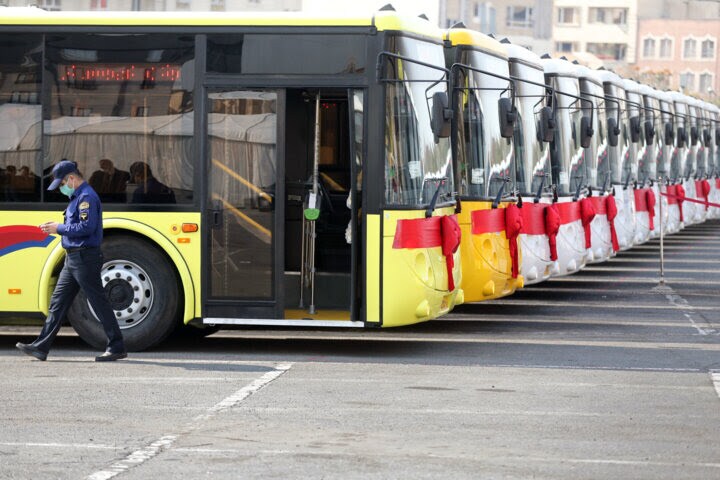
{"x":587,"y":213}
{"x":487,"y":221}
{"x":450,"y":231}
{"x":650,"y":200}
{"x":612,"y":212}
{"x":552,"y":227}
{"x":680,"y":195}
{"x":513,"y":226}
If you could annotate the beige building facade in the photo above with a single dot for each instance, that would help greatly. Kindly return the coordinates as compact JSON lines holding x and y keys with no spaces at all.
{"x":160,"y":5}
{"x":680,"y":54}
{"x":606,"y":29}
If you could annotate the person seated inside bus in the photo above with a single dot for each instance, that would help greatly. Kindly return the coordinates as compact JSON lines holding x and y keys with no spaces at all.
{"x":25,"y":184}
{"x":7,"y":184}
{"x":109,"y":182}
{"x":149,"y":189}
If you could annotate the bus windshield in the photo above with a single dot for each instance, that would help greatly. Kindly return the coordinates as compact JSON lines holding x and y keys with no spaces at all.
{"x":533,"y":160}
{"x":666,"y":116}
{"x":485,"y":158}
{"x":619,"y":155}
{"x":680,"y":151}
{"x":597,"y":153}
{"x":417,"y":164}
{"x":568,"y":165}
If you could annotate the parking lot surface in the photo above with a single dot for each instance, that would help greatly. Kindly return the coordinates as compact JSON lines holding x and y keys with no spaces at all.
{"x":603,"y":374}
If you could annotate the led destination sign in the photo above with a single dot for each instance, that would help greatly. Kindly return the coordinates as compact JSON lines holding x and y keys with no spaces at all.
{"x":119,"y":73}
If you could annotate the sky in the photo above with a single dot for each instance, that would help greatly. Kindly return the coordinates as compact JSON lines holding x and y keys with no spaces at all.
{"x":410,"y":7}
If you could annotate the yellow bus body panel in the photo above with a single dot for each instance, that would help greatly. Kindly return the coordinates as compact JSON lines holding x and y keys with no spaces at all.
{"x":29,"y":289}
{"x":486,"y":261}
{"x":414,"y":280}
{"x":372,"y":290}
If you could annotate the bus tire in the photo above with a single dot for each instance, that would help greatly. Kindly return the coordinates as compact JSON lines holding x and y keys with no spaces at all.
{"x":143,"y":290}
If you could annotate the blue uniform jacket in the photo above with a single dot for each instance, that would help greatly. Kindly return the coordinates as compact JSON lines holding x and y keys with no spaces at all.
{"x":83,"y":219}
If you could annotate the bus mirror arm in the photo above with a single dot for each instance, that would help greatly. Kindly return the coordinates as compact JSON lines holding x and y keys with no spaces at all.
{"x":538,"y":195}
{"x":499,"y":195}
{"x":669,"y":134}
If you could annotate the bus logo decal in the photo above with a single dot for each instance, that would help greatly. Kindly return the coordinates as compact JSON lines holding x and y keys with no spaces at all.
{"x":19,"y":237}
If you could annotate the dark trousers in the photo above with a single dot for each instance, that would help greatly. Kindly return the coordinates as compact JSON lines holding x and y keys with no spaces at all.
{"x":81,"y":271}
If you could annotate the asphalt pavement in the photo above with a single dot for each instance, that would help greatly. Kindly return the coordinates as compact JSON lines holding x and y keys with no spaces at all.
{"x":603,"y":374}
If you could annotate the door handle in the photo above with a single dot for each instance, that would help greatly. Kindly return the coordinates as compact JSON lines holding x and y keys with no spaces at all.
{"x":217,"y":214}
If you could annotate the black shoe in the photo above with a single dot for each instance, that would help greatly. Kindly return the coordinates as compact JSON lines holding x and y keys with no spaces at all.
{"x":32,"y":351}
{"x":111,"y":356}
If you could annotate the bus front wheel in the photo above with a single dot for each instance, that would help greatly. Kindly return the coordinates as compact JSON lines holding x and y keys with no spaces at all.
{"x":143,"y":291}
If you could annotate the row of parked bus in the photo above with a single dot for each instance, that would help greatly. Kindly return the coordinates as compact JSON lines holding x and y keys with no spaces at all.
{"x":581,"y":163}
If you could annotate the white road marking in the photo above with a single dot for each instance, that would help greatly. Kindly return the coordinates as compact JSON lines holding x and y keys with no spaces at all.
{"x":138,"y":457}
{"x":679,"y":302}
{"x":85,"y":446}
{"x":715,"y":375}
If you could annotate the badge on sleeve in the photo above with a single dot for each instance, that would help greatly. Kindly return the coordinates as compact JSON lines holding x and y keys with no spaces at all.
{"x":84,"y":208}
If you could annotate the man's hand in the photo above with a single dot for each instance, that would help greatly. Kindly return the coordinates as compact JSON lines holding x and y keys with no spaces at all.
{"x":49,"y":227}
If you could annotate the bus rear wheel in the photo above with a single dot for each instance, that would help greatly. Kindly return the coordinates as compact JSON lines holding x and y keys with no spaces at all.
{"x":143,"y":291}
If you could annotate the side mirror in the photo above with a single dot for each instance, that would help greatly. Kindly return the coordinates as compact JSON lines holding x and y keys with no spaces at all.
{"x":548,"y":125}
{"x":634,"y":129}
{"x":681,"y":137}
{"x":507,"y":115}
{"x":586,"y":132}
{"x":441,"y":115}
{"x":693,"y":135}
{"x":613,"y":131}
{"x":717,"y":136}
{"x":649,"y":131}
{"x":707,"y":137}
{"x":669,"y":134}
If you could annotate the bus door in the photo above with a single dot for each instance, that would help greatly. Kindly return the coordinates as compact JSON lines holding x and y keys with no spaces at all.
{"x":323,"y":161}
{"x":283,"y":208}
{"x":243,"y":217}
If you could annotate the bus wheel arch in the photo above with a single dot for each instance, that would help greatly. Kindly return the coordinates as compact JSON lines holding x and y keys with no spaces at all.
{"x":145,"y":288}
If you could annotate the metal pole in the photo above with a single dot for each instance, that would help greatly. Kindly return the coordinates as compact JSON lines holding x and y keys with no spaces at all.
{"x":316,"y":174}
{"x":662,"y":249}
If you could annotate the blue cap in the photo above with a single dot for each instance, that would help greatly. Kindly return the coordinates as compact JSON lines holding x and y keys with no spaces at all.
{"x":60,"y":171}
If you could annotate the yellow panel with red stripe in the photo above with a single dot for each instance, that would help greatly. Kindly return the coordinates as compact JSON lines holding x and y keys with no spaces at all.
{"x":421,"y":273}
{"x":34,"y":257}
{"x":487,"y":260}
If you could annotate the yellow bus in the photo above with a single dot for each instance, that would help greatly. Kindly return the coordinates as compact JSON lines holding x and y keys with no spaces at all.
{"x":484,"y":106}
{"x":272,"y":169}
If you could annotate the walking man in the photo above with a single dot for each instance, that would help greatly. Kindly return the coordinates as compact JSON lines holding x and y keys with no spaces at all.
{"x":82,"y":234}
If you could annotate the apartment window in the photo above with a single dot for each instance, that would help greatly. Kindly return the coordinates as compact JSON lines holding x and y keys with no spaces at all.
{"x":689,"y":48}
{"x":649,"y":48}
{"x":217,"y":5}
{"x":708,"y":49}
{"x":687,"y":81}
{"x":52,"y":5}
{"x":705,"y":82}
{"x":568,"y":16}
{"x":98,"y":4}
{"x":521,"y":17}
{"x":612,"y":16}
{"x":666,"y":48}
{"x":182,"y":5}
{"x":565,"y":47}
{"x":608,"y":51}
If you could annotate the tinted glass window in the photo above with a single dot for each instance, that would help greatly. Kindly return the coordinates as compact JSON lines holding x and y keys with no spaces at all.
{"x":286,"y":54}
{"x":20,"y":110}
{"x":121,"y":106}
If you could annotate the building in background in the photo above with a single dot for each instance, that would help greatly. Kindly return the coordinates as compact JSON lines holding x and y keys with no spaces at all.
{"x":524,"y":22}
{"x":604,"y":30}
{"x":679,"y":54}
{"x":160,"y":5}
